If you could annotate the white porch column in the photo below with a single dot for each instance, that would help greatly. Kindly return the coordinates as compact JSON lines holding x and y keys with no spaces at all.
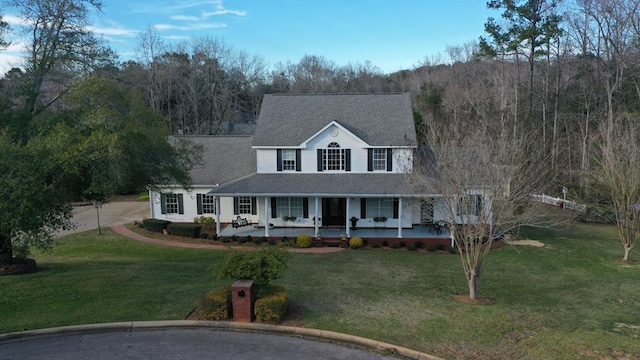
{"x":152,"y":197}
{"x":267,"y":207}
{"x":216,"y":201}
{"x":315,"y":214}
{"x":346,"y":221}
{"x":399,"y":217}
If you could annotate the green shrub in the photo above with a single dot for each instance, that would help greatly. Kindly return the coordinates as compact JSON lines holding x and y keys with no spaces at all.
{"x":156,"y":225}
{"x":385,"y":243}
{"x":182,"y":229}
{"x":235,"y":238}
{"x":216,"y":304}
{"x":395,"y":245}
{"x":204,"y":236}
{"x":207,"y":222}
{"x":440,"y":247}
{"x":419,"y":244}
{"x":356,"y":242}
{"x":431,"y":248}
{"x":257,"y":241}
{"x":271,"y":241}
{"x":375,"y":245}
{"x":271,"y":307}
{"x":304,"y":241}
{"x":411,"y":247}
{"x":261,"y":266}
{"x":225,"y":240}
{"x":402,"y":243}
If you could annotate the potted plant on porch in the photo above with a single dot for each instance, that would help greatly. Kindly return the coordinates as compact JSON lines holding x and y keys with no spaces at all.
{"x":354,"y":221}
{"x":344,"y":241}
{"x":318,"y":240}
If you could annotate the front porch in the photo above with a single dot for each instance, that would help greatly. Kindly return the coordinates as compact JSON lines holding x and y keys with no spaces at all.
{"x":429,"y":235}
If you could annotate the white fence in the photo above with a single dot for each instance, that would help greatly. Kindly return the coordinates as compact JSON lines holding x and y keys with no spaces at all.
{"x":565,"y":204}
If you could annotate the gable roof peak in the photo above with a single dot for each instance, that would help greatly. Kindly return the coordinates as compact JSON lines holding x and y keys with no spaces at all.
{"x":377,"y":119}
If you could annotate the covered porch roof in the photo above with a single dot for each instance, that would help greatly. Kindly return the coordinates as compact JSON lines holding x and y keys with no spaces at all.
{"x":322,"y":184}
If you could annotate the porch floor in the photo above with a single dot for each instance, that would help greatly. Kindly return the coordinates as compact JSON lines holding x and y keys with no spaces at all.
{"x":417,"y":232}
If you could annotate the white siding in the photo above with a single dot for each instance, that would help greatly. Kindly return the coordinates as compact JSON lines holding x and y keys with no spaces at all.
{"x":191,"y":206}
{"x":267,"y":158}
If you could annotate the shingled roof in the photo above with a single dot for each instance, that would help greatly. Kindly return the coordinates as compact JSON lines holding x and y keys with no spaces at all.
{"x":351,"y":184}
{"x":377,"y":119}
{"x":225,"y":158}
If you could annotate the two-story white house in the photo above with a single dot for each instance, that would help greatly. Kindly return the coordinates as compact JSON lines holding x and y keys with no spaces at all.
{"x":314,"y":161}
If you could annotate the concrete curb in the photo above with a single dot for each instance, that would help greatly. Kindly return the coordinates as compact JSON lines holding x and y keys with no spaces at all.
{"x":330,"y":336}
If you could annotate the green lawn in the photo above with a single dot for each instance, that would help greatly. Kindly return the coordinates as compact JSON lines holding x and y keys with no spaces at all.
{"x":569,"y":299}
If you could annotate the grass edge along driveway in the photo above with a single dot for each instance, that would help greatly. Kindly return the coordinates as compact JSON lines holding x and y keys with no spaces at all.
{"x":569,"y":299}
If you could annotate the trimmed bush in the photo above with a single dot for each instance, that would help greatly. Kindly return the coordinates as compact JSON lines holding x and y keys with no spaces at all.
{"x":261,"y":266}
{"x":156,"y":225}
{"x":440,"y":247}
{"x":402,"y":243}
{"x":216,"y":305}
{"x":356,"y":242}
{"x":304,"y":241}
{"x":271,"y":307}
{"x":385,"y":243}
{"x":395,"y":245}
{"x":186,"y":230}
{"x":411,"y":247}
{"x":375,"y":245}
{"x":207,"y":222}
{"x":419,"y":244}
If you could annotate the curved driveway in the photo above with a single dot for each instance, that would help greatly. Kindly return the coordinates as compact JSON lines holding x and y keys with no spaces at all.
{"x":179,"y":344}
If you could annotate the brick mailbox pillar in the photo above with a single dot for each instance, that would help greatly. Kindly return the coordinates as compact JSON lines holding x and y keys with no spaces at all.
{"x":242,"y":300}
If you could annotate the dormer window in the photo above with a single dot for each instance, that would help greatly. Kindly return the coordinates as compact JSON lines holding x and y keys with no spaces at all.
{"x":380,"y":159}
{"x":334,"y":158}
{"x":288,"y":159}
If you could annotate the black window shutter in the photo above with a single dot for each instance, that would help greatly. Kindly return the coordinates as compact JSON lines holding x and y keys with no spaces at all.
{"x":298,"y":160}
{"x":273,"y":208}
{"x":305,"y":208}
{"x":180,"y":204}
{"x":369,"y":159}
{"x":389,"y":159}
{"x":199,"y":203}
{"x":163,"y":203}
{"x":319,"y":152}
{"x":279,"y":159}
{"x":235,"y":205}
{"x":363,"y":208}
{"x":395,"y":208}
{"x":347,"y":159}
{"x":254,"y":206}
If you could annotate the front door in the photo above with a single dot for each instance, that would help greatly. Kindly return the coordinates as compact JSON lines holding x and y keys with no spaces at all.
{"x":334,"y":211}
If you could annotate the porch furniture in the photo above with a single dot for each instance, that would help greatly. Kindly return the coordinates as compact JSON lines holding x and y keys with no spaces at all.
{"x":240,"y":222}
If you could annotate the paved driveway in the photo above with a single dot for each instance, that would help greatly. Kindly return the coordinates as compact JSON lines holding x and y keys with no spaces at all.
{"x":113,"y":213}
{"x":180,"y":344}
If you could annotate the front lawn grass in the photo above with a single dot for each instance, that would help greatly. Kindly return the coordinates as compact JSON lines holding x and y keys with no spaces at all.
{"x":569,"y":299}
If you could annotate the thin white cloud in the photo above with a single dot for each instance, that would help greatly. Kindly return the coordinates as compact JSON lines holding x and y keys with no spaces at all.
{"x":14,"y":20}
{"x":184,"y":18}
{"x":196,"y":26}
{"x":113,"y":31}
{"x":224,"y":12}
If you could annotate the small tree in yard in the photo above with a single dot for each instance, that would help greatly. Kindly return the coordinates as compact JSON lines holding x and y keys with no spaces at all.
{"x":619,"y":171}
{"x":263,"y":266}
{"x":484,"y":182}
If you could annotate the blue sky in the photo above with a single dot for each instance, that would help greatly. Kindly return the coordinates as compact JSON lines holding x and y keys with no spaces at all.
{"x":392,"y":34}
